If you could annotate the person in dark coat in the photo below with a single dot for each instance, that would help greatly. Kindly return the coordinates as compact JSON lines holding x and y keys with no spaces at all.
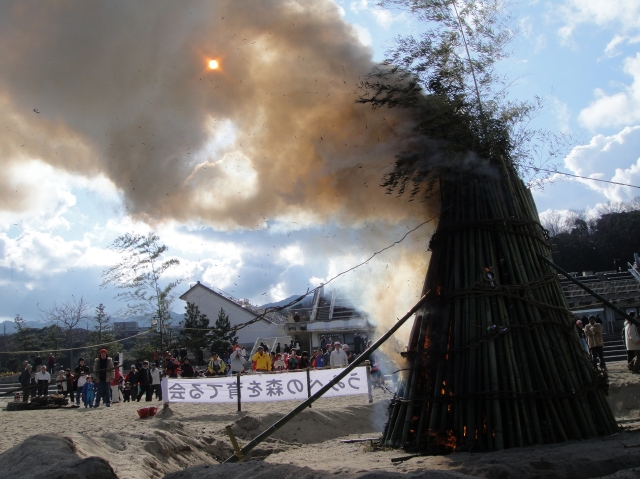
{"x":200,"y":356}
{"x":81,"y":370}
{"x":187,"y":369}
{"x":37,"y":362}
{"x":145,"y":381}
{"x":183,"y":353}
{"x":132,"y":379}
{"x":25,"y":382}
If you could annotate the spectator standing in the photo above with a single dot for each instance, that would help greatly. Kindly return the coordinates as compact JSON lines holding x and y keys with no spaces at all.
{"x":116,"y":382}
{"x":155,"y":381}
{"x":132,"y":379}
{"x":200,"y":356}
{"x":187,"y":369}
{"x":183,"y":353}
{"x":278,"y":349}
{"x":61,"y":383}
{"x":593,"y":331}
{"x":287,"y":349}
{"x":357,"y":343}
{"x":42,"y":380}
{"x":104,"y":373}
{"x":294,"y":360}
{"x":323,"y":343}
{"x":145,"y":380}
{"x":25,"y":382}
{"x":262,"y":360}
{"x":237,"y":362}
{"x":69,"y":376}
{"x":172,"y":366}
{"x":632,"y":342}
{"x":37,"y":362}
{"x":89,"y":392}
{"x":338,"y":357}
{"x":51,"y":362}
{"x":304,"y":360}
{"x":296,"y":317}
{"x":81,"y":371}
{"x":582,"y":335}
{"x":326,"y":357}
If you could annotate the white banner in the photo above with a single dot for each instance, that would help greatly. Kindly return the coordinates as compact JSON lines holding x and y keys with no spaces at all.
{"x":284,"y":386}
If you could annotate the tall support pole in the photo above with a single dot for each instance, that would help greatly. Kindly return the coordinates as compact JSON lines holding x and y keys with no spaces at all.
{"x":360,"y":359}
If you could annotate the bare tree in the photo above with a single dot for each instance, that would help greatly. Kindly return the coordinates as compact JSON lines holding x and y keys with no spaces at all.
{"x":68,"y":315}
{"x":140,"y":277}
{"x":553,"y":222}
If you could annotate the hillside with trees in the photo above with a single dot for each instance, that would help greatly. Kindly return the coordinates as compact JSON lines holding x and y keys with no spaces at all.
{"x":603,"y":242}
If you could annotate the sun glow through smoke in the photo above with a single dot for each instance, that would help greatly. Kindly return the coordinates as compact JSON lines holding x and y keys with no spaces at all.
{"x":213,"y":64}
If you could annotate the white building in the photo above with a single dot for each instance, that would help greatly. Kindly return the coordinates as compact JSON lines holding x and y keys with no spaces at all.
{"x":209,"y":300}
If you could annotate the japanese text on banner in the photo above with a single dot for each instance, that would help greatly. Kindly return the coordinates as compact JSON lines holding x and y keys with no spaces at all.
{"x":263,"y":387}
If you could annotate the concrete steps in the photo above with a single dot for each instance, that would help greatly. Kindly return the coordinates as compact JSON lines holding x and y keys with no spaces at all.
{"x":614,"y":348}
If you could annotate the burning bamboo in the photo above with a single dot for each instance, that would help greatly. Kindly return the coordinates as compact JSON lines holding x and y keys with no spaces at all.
{"x":495,"y":361}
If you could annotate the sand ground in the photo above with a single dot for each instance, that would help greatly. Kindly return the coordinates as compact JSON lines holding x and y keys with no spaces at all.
{"x":188,"y":441}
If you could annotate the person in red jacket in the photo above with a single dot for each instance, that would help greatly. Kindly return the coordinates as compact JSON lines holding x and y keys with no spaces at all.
{"x":116,"y":383}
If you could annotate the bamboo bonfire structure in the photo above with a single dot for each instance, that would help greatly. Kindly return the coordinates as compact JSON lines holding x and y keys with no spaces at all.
{"x":494,"y":359}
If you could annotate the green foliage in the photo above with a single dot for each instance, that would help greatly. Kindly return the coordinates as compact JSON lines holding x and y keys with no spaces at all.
{"x":143,"y":349}
{"x":139,"y":278}
{"x":195,"y":335}
{"x":222,"y":338}
{"x":446,"y":78}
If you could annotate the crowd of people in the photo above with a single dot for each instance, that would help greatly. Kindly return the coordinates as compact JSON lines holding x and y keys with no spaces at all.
{"x":590,"y":333}
{"x":104,"y":383}
{"x":591,"y":338}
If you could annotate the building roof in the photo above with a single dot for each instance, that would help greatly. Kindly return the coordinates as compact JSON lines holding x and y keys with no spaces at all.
{"x":271,"y":317}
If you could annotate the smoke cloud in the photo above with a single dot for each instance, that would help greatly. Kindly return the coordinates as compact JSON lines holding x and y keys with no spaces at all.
{"x":123,"y":90}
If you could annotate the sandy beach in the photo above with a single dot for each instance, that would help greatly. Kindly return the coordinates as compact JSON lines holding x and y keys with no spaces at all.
{"x":188,"y":441}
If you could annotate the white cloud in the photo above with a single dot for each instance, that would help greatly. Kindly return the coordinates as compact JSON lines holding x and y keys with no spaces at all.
{"x":277,"y":292}
{"x":620,"y":108}
{"x":40,"y":254}
{"x":382,"y":16}
{"x":622,"y":14}
{"x":48,"y":194}
{"x":614,"y":158}
{"x":292,"y":255}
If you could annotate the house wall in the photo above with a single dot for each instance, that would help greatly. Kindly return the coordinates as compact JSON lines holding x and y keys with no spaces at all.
{"x":210,"y":303}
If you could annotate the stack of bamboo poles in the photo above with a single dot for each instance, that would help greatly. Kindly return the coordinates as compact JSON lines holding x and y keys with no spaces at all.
{"x":494,"y":359}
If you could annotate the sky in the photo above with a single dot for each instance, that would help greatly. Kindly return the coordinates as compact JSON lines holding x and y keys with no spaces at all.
{"x":261,"y":176}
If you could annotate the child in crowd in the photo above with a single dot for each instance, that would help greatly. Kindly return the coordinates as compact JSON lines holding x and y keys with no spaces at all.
{"x":88,"y":392}
{"x":126,"y":392}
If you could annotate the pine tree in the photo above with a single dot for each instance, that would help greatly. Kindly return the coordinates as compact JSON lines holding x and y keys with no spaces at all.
{"x":222,"y":338}
{"x":196,"y":333}
{"x":23,"y":333}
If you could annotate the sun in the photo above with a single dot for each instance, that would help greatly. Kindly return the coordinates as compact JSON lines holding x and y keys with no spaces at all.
{"x":213,"y":64}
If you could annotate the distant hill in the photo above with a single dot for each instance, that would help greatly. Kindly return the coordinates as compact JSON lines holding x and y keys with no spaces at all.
{"x":10,"y":326}
{"x":142,"y":323}
{"x":306,"y":302}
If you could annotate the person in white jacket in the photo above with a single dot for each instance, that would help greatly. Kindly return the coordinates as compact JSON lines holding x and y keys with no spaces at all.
{"x":236,"y":361}
{"x":156,"y":378}
{"x":42,"y":380}
{"x":632,"y":340}
{"x":338,"y":356}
